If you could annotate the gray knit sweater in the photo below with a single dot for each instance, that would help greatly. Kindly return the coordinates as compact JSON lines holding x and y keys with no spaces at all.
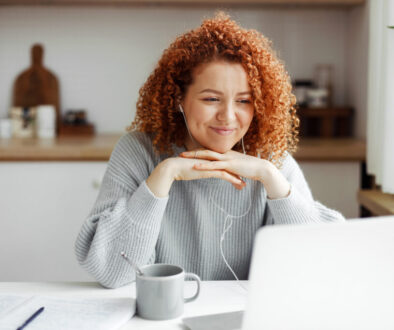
{"x":185,"y":227}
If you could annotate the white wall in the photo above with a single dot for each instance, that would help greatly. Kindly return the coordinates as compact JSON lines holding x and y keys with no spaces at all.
{"x":102,"y":55}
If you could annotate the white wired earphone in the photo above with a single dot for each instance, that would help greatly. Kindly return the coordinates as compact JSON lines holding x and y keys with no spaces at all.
{"x":226,"y":227}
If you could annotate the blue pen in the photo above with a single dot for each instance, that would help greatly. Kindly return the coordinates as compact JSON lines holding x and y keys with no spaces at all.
{"x":31,"y":318}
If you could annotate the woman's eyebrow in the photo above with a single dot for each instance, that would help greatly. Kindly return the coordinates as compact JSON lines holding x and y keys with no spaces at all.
{"x":218,"y":92}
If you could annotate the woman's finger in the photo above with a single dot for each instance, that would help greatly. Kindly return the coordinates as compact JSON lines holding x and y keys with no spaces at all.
{"x":223,"y":175}
{"x":203,"y":154}
{"x":218,"y":165}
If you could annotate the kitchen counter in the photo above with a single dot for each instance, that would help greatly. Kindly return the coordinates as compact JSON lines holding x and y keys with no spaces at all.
{"x":99,"y":148}
{"x":377,"y":202}
{"x":65,"y":148}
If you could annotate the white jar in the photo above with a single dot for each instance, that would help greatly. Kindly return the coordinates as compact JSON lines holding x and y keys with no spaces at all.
{"x":46,"y":121}
{"x":5,"y":128}
{"x":317,"y":98}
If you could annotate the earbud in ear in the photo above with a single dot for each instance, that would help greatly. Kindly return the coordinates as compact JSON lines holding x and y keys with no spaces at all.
{"x":180,"y":108}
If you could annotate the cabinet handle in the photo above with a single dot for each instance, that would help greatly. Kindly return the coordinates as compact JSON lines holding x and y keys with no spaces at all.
{"x":96,"y":183}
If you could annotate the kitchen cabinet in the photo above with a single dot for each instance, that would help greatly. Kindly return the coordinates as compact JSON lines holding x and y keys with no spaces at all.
{"x":43,"y":205}
{"x":335,"y":184}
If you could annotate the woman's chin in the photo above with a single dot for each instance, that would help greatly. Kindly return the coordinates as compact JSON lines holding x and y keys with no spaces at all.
{"x":220,"y":149}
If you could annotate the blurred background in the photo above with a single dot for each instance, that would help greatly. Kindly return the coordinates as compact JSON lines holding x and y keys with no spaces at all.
{"x":70,"y":72}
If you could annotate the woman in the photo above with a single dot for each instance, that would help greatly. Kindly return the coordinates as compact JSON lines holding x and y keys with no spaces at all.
{"x":206,"y":162}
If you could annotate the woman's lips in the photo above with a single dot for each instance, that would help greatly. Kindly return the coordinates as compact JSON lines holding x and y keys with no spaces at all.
{"x":223,"y":131}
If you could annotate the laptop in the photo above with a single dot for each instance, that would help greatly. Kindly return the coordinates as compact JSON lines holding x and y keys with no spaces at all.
{"x":317,"y":277}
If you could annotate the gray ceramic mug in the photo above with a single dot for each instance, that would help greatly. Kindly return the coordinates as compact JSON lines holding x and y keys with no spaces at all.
{"x":160,"y":291}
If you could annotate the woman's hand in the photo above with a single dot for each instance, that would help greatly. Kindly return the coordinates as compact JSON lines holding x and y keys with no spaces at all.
{"x":241,"y":165}
{"x":185,"y":169}
{"x":182,"y":168}
{"x":231,"y":161}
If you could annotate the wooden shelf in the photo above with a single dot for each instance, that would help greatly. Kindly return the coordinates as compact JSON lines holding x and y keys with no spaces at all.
{"x":326,"y":122}
{"x":342,"y":3}
{"x":376,"y":202}
{"x":331,"y":150}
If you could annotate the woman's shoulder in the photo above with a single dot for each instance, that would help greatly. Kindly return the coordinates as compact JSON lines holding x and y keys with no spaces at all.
{"x":289,"y":164}
{"x":136,"y":138}
{"x":134,"y":143}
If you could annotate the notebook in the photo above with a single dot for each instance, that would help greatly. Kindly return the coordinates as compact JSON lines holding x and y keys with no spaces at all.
{"x":65,"y":313}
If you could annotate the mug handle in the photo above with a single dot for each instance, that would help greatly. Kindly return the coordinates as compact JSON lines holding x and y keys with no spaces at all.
{"x":197,"y":279}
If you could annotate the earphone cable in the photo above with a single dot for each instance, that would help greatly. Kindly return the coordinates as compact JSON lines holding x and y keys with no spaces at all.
{"x":225,"y":227}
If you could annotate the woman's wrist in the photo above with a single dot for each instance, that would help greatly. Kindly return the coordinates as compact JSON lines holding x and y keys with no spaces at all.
{"x":273,"y":180}
{"x":160,"y":180}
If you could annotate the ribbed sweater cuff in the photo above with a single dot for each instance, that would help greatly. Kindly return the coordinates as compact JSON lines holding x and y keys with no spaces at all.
{"x":146,"y":207}
{"x":143,"y":211}
{"x":291,"y":209}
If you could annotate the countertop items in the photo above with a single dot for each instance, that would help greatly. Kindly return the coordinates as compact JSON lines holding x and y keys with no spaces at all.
{"x":99,"y":148}
{"x":75,"y":123}
{"x":37,"y":85}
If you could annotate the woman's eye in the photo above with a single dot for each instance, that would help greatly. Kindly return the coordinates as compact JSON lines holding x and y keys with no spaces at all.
{"x":214,"y":99}
{"x":244,"y":101}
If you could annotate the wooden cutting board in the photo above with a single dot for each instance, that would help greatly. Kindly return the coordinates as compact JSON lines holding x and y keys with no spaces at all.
{"x":37,"y":85}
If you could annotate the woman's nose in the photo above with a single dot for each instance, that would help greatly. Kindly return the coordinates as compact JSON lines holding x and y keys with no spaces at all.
{"x":226,"y":113}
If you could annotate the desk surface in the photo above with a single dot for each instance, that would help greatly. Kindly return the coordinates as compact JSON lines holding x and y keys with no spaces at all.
{"x":215,"y":297}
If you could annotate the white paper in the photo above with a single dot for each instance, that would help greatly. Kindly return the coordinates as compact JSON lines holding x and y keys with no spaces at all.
{"x":65,"y":313}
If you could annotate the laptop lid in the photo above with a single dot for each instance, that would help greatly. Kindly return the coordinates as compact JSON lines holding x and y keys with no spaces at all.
{"x":323,"y":276}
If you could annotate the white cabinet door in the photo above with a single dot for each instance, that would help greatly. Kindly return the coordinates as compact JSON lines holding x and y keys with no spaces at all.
{"x":335,"y":184}
{"x":42,"y":208}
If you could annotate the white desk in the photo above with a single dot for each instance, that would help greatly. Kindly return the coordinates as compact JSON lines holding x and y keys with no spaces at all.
{"x":215,"y":297}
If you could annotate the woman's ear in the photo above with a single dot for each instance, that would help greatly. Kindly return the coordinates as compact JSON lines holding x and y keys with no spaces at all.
{"x":179,"y":102}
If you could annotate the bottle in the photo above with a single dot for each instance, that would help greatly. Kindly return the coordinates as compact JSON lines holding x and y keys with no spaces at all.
{"x":323,"y":80}
{"x":46,"y":122}
{"x":5,"y":128}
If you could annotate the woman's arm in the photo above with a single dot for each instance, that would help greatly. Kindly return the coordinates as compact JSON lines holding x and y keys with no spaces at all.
{"x":129,"y":209}
{"x":299,"y":206}
{"x":125,"y":217}
{"x":289,"y":197}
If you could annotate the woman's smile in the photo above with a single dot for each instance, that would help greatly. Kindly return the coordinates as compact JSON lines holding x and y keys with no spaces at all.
{"x":223,"y":131}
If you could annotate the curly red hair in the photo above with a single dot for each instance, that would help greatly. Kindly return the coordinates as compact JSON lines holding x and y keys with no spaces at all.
{"x":274,"y":128}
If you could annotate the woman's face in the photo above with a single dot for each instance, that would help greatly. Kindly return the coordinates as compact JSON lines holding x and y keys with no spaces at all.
{"x":218,"y":106}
